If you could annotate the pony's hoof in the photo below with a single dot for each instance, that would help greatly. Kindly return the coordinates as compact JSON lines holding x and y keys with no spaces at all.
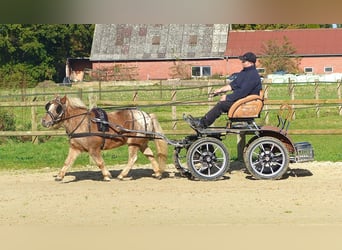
{"x":158,"y":177}
{"x":58,"y":178}
{"x":106,"y":178}
{"x":121,"y":178}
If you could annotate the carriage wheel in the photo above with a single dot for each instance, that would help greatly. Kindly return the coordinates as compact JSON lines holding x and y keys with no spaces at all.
{"x":267,"y":158}
{"x":208,"y":159}
{"x":179,"y":157}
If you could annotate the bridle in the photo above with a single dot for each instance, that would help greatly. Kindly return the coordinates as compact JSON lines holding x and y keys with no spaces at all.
{"x":60,"y":111}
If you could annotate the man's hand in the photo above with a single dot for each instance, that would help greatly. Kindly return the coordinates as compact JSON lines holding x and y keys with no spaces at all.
{"x":222,"y":90}
{"x":218,"y":92}
{"x":223,"y":98}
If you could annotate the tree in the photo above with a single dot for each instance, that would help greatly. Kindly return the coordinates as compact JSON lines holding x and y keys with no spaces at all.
{"x":31,"y":53}
{"x":180,"y":70}
{"x":278,"y":56}
{"x":19,"y":52}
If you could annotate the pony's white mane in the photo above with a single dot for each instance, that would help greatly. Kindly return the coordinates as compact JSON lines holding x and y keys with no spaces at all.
{"x":76,"y":102}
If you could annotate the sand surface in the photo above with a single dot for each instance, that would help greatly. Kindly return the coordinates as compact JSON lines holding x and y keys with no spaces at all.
{"x":305,"y":207}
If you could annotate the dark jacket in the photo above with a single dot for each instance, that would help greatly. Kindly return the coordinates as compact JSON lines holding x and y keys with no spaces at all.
{"x":247,"y":83}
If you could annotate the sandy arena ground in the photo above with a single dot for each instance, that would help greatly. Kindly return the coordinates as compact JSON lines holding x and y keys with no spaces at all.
{"x":302,"y":210}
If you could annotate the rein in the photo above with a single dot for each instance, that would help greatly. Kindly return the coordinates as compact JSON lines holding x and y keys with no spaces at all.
{"x":67,"y":118}
{"x":79,"y":124}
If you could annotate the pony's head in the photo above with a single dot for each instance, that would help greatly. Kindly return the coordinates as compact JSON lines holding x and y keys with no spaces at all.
{"x":55,"y":111}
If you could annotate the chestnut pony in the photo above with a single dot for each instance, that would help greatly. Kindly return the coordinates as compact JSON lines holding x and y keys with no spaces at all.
{"x":88,"y":133}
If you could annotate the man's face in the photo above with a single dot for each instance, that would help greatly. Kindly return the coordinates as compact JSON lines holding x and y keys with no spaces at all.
{"x":246,"y":63}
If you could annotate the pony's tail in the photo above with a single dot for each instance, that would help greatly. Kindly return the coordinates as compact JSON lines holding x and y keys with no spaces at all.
{"x":161,"y":145}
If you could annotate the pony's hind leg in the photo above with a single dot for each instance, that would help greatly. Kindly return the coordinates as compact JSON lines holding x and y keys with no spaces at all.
{"x":96,"y":156}
{"x":155,"y":165}
{"x":72,"y":155}
{"x":132,"y":158}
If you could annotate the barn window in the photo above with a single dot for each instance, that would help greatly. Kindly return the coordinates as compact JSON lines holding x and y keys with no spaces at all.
{"x":200,"y":71}
{"x":308,"y":70}
{"x":328,"y":69}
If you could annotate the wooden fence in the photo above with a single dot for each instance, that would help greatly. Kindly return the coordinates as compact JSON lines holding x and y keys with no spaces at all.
{"x":317,"y":102}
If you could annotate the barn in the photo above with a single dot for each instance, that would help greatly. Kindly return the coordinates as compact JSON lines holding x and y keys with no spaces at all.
{"x":164,"y":51}
{"x":159,"y":51}
{"x":319,"y":50}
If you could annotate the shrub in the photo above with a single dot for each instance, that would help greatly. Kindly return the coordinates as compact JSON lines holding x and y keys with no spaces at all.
{"x":7,"y":121}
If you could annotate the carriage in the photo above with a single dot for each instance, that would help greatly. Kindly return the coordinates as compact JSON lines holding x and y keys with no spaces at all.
{"x":202,"y":155}
{"x":266,"y":155}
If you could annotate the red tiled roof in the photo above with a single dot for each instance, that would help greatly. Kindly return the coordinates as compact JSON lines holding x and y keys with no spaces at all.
{"x":309,"y":42}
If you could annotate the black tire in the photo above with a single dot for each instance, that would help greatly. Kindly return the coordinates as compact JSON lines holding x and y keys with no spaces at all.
{"x":267,"y":158}
{"x":208,"y":159}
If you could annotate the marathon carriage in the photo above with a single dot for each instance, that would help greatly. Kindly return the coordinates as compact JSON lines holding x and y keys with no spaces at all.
{"x":202,"y":155}
{"x":266,"y":155}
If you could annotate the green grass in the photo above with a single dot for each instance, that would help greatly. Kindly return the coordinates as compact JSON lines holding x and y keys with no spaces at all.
{"x":326,"y":147}
{"x":52,"y":153}
{"x":18,"y":155}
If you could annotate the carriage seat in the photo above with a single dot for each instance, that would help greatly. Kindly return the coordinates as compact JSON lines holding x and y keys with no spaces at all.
{"x":246,"y":108}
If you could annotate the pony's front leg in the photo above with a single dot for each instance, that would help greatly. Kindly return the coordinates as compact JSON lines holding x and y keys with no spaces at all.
{"x":73,"y":153}
{"x":132,"y":158}
{"x":96,"y":155}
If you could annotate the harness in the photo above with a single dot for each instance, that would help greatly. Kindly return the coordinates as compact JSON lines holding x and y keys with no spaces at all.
{"x":103,"y":125}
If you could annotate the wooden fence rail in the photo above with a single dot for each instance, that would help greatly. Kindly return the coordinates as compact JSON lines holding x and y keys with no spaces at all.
{"x":34,"y":132}
{"x":173,"y":102}
{"x":182,"y":103}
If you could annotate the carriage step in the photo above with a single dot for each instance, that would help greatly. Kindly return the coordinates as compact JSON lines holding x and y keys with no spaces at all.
{"x":304,"y":152}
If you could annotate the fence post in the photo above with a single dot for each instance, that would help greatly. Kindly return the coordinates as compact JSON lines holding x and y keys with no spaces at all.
{"x":135,"y":96}
{"x":92,"y":99}
{"x":241,"y":143}
{"x":267,"y":113}
{"x":292,"y":94}
{"x":92,"y":104}
{"x":100,"y":90}
{"x":210,"y":97}
{"x":173,"y":108}
{"x":339,"y":95}
{"x":80,"y":93}
{"x":317,"y":98}
{"x":34,"y":119}
{"x":161,"y":90}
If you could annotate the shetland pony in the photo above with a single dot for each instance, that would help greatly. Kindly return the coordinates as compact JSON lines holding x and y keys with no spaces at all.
{"x":95,"y":130}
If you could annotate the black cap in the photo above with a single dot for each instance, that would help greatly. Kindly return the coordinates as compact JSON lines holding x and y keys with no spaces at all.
{"x":249,"y":56}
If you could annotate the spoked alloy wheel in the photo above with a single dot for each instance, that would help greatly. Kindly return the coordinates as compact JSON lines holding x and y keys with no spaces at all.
{"x":267,"y":158}
{"x":208,"y":159}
